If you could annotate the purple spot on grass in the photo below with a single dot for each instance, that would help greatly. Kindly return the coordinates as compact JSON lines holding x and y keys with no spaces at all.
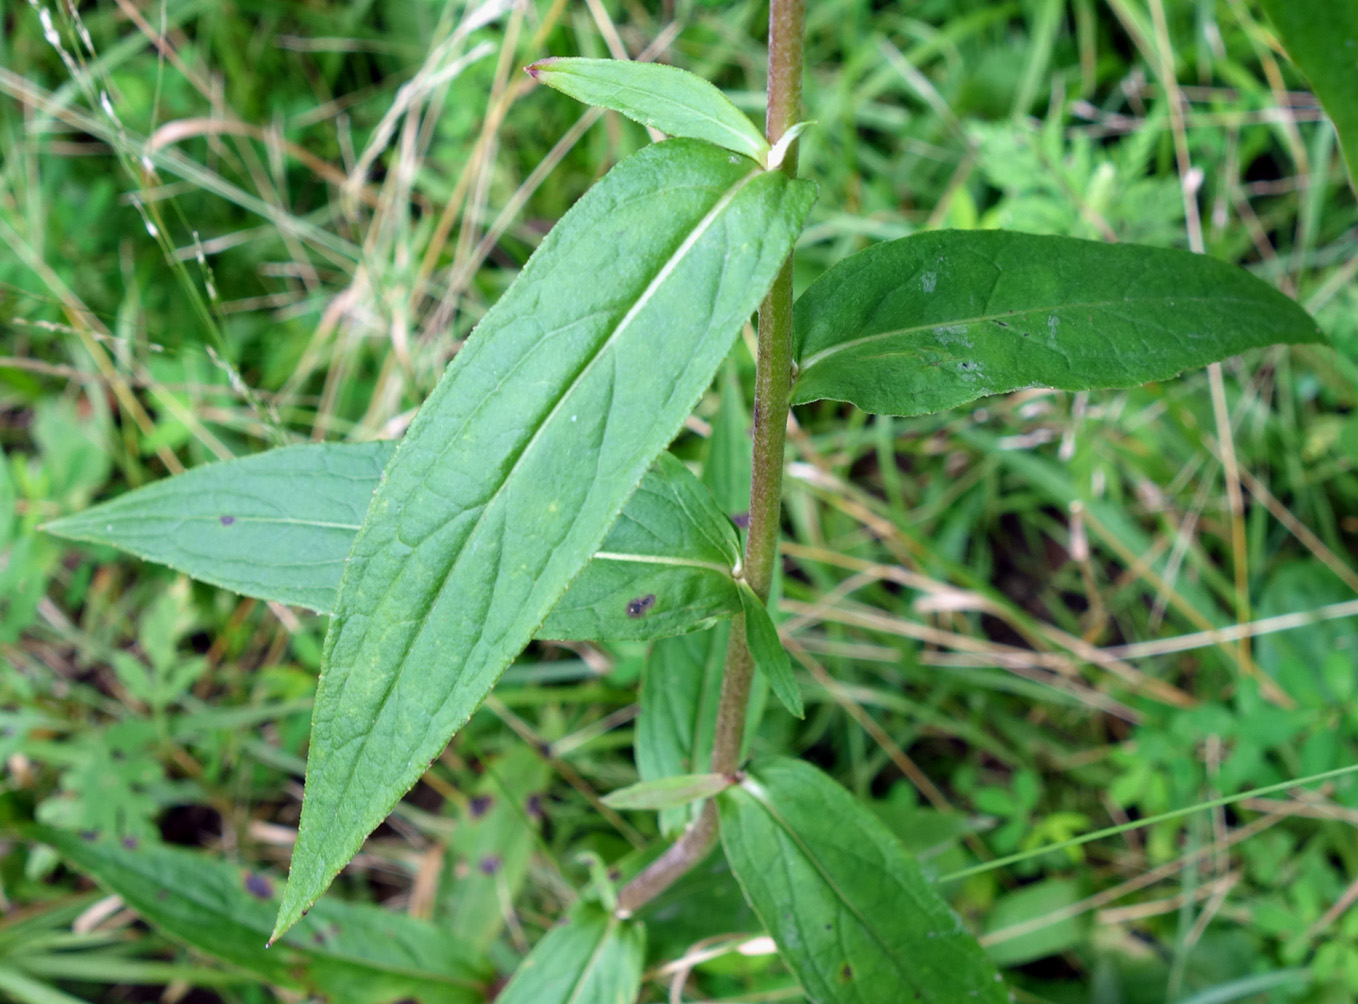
{"x":258,"y":886}
{"x":490,"y":864}
{"x":228,"y":520}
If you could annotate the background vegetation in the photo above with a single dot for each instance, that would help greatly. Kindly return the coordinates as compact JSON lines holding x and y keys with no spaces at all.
{"x":228,"y":227}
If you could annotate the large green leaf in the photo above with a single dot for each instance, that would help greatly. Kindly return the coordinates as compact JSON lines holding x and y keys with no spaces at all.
{"x":520,"y":461}
{"x":938,"y":319}
{"x":681,"y":682}
{"x":591,"y":959}
{"x":664,"y":97}
{"x":665,"y":567}
{"x":343,"y":952}
{"x":488,"y":854}
{"x":1321,"y":36}
{"x":278,"y":525}
{"x":847,"y":905}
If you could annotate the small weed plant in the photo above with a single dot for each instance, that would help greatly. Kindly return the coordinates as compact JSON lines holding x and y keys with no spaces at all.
{"x":533,"y":497}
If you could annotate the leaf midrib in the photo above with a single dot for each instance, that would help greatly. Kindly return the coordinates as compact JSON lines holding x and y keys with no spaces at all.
{"x":835,"y":349}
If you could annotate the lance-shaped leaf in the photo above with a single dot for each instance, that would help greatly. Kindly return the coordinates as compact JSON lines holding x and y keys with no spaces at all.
{"x":938,"y":319}
{"x":592,"y":958}
{"x":345,"y":952}
{"x":847,"y":905}
{"x":488,"y":854}
{"x":1322,"y":39}
{"x":665,"y":567}
{"x":667,"y":792}
{"x":520,"y":461}
{"x":667,"y":98}
{"x":278,"y":525}
{"x":770,"y":658}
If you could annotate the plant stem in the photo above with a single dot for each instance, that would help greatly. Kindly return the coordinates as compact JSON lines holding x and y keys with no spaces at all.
{"x":773,"y":385}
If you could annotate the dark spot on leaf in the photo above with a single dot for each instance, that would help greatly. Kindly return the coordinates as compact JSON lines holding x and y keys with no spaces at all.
{"x":319,"y":938}
{"x":534,"y":807}
{"x":828,"y":926}
{"x":162,"y":894}
{"x":742,"y":520}
{"x":130,"y":843}
{"x":90,"y":835}
{"x":1003,"y":324}
{"x":480,"y":805}
{"x":639,"y":606}
{"x":545,"y":749}
{"x":614,"y":874}
{"x":846,"y":972}
{"x":228,"y":520}
{"x":490,"y":864}
{"x":258,"y":886}
{"x":306,"y":911}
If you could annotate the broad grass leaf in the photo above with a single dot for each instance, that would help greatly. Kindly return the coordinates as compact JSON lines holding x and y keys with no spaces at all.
{"x":847,"y":905}
{"x":592,"y":957}
{"x":1321,"y":37}
{"x":667,"y":98}
{"x":520,"y":461}
{"x":345,"y":952}
{"x":770,"y":658}
{"x":278,"y":526}
{"x":936,"y":320}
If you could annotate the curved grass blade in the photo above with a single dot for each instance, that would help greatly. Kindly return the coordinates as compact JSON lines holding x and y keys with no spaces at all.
{"x":520,"y":461}
{"x":346,"y":952}
{"x":939,"y":319}
{"x":851,"y":912}
{"x":667,"y":98}
{"x":1322,"y":40}
{"x":591,"y":959}
{"x":278,"y":526}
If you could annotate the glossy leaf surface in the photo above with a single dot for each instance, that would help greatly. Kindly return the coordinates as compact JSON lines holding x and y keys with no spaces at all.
{"x":851,"y":912}
{"x":667,"y":98}
{"x":770,"y":658}
{"x":520,"y":461}
{"x":278,"y":525}
{"x":342,"y":951}
{"x":1321,"y":37}
{"x":939,"y":319}
{"x":591,"y":959}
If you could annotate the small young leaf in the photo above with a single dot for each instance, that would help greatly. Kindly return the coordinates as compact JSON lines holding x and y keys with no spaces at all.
{"x":488,"y":854}
{"x":591,"y":958}
{"x":851,"y":912}
{"x":1321,"y":37}
{"x":345,"y":952}
{"x":278,"y":525}
{"x":935,"y":320}
{"x":668,"y":792}
{"x":664,"y":97}
{"x":520,"y":461}
{"x":770,"y":658}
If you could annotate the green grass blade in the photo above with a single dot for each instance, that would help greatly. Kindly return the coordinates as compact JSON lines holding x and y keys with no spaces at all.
{"x":667,"y":792}
{"x":278,"y":526}
{"x":520,"y":461}
{"x":936,"y":320}
{"x":667,"y":98}
{"x":849,"y":908}
{"x":1322,"y":39}
{"x":344,"y":951}
{"x":591,"y":958}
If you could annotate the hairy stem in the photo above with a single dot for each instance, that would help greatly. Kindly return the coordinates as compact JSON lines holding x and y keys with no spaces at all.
{"x":773,"y":384}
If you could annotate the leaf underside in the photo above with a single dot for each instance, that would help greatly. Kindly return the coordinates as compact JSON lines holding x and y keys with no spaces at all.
{"x":667,"y":98}
{"x":346,"y":952}
{"x":848,"y":906}
{"x":939,"y":319}
{"x":520,"y":461}
{"x":278,"y":526}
